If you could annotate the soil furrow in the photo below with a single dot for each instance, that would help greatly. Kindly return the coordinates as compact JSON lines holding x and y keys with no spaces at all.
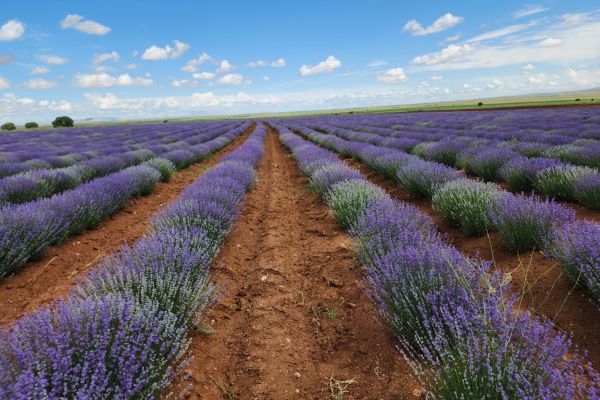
{"x":51,"y":277}
{"x":544,"y":288}
{"x":293,"y":316}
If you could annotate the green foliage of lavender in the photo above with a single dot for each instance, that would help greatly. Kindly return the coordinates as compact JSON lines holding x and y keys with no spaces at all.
{"x":528,"y":222}
{"x":559,"y":181}
{"x":349,"y":199}
{"x":465,"y":204}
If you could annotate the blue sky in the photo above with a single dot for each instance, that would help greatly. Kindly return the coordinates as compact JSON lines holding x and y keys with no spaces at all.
{"x":137,"y":59}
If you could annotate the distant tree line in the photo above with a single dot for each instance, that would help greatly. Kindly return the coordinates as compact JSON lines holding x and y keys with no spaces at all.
{"x":59,"y":122}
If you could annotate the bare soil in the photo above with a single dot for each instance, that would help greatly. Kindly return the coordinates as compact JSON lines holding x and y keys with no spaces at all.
{"x":539,"y":280}
{"x":294,"y":320}
{"x":51,"y":277}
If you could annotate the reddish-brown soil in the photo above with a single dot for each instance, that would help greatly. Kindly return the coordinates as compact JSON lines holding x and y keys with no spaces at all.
{"x":544,"y":288}
{"x":293,"y":316}
{"x":52,"y":276}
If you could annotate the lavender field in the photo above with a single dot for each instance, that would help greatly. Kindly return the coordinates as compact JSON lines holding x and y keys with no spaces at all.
{"x":472,"y":238}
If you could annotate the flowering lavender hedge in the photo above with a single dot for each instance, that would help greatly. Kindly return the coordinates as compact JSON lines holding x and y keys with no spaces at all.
{"x":526,"y":222}
{"x":123,"y":332}
{"x":520,"y":172}
{"x":27,"y":229}
{"x":45,"y":179}
{"x":577,"y":248}
{"x":587,"y":191}
{"x":523,"y":223}
{"x":484,"y":149}
{"x":452,"y":316}
{"x":465,"y":203}
{"x":559,"y":181}
{"x":423,"y":178}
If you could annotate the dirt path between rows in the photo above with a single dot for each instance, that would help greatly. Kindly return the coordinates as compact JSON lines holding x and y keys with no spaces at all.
{"x":293,"y":317}
{"x":51,"y":277}
{"x":545,"y":290}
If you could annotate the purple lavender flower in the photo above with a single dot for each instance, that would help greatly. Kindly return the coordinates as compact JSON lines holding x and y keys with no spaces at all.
{"x":110,"y":347}
{"x":350,"y":198}
{"x":520,"y":172}
{"x":424,"y":178}
{"x":587,"y":191}
{"x":577,"y":248}
{"x":445,"y":152}
{"x":487,"y":162}
{"x":165,"y":167}
{"x":465,"y":203}
{"x":328,"y":175}
{"x":559,"y":181}
{"x":528,"y":222}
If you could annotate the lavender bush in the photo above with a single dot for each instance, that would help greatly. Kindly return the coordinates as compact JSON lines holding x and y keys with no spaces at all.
{"x":587,"y":191}
{"x":388,"y":164}
{"x":165,"y":167}
{"x":328,"y":175}
{"x":465,"y":203}
{"x":445,"y":152}
{"x":350,"y":198}
{"x":168,"y":267}
{"x":527,"y":222}
{"x":109,"y":347}
{"x":577,"y":248}
{"x":487,"y":162}
{"x":520,"y":173}
{"x":559,"y":181}
{"x":424,"y":178}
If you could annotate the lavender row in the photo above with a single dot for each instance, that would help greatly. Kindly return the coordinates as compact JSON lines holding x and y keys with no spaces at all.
{"x":547,"y":127}
{"x":551,"y":177}
{"x":27,"y":229}
{"x":523,"y":222}
{"x":123,"y":333}
{"x":453,"y":317}
{"x":60,"y":149}
{"x":39,"y":183}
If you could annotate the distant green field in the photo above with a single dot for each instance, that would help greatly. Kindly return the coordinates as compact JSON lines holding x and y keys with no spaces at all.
{"x":559,"y":99}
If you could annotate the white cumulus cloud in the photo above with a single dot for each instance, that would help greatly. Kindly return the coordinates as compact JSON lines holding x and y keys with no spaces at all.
{"x":103,"y":57}
{"x":444,"y":22}
{"x":550,"y":42}
{"x":11,"y":30}
{"x":39,"y":70}
{"x":77,"y":22}
{"x":203,"y":75}
{"x":183,"y":83}
{"x":106,"y":80}
{"x":155,"y":53}
{"x":4,"y":83}
{"x":279,"y":63}
{"x":231,"y":79}
{"x":189,"y":68}
{"x":330,"y":64}
{"x":40,"y":84}
{"x":394,"y":75}
{"x":201,"y":59}
{"x":53,"y":60}
{"x":529,"y":67}
{"x":450,"y":53}
{"x":258,"y":63}
{"x":224,"y":66}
